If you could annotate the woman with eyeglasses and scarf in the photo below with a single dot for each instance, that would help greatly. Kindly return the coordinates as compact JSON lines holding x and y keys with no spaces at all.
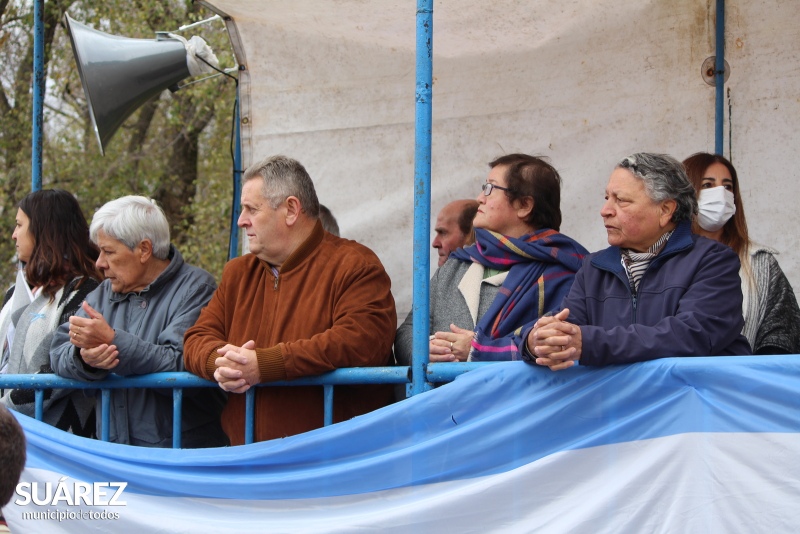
{"x":519,"y":268}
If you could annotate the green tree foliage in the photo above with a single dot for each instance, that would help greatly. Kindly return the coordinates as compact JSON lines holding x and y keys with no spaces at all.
{"x":175,"y":148}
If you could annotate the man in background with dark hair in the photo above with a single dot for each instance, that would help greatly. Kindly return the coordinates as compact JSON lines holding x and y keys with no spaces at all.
{"x":454,"y":227}
{"x":328,"y":220}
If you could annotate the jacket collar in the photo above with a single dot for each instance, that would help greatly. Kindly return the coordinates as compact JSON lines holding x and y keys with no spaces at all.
{"x":305,"y":249}
{"x":175,"y":263}
{"x":610,"y":259}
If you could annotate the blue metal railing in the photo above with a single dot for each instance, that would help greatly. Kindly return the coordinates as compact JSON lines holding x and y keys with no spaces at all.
{"x":435,"y":373}
{"x":422,"y":179}
{"x":419,"y":377}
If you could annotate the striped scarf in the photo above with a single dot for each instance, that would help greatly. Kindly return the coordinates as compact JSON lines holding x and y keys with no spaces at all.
{"x":541,"y":267}
{"x":636,"y":263}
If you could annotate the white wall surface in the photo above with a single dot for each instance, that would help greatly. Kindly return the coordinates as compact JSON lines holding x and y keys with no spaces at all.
{"x":584,"y":82}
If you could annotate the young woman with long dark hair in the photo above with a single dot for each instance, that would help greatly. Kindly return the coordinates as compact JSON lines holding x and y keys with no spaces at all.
{"x":57,"y":271}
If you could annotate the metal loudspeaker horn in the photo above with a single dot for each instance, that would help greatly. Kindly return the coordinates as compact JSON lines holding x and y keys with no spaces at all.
{"x":119,"y":74}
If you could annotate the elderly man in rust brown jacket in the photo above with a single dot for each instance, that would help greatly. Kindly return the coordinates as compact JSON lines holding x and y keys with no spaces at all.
{"x":301,"y":303}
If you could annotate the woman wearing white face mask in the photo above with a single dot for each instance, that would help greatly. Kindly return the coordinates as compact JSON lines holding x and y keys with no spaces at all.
{"x":771,"y":313}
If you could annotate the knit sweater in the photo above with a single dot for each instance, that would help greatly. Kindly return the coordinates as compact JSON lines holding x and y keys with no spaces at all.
{"x":35,"y":324}
{"x":771,"y":314}
{"x":330,"y":306}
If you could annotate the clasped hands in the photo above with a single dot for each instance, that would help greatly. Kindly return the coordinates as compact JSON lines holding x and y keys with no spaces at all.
{"x":93,"y":336}
{"x":237,"y":367}
{"x":554,"y":342}
{"x":453,"y":346}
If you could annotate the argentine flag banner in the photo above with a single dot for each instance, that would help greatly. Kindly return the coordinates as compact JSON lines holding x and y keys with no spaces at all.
{"x":675,"y":445}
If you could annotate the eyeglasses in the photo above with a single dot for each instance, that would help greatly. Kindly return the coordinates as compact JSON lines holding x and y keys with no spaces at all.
{"x":488,"y":188}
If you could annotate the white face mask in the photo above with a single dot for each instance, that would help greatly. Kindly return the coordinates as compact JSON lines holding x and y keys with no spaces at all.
{"x":716,"y":208}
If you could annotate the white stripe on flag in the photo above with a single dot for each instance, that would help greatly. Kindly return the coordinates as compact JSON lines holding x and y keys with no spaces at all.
{"x":720,"y":482}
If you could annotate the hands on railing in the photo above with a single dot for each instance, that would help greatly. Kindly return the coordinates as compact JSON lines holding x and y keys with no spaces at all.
{"x":177,"y":381}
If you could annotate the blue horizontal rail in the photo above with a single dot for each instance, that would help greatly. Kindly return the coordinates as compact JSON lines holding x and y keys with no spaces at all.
{"x":435,"y":373}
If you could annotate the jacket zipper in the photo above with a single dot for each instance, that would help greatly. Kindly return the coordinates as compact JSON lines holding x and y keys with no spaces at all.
{"x":275,"y":286}
{"x":634,"y":300}
{"x":627,"y":281}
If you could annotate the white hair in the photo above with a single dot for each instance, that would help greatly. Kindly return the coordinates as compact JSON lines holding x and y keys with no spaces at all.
{"x":664,"y":178}
{"x":132,"y":219}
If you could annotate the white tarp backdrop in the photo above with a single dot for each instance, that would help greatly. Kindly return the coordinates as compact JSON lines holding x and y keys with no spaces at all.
{"x":584,"y":82}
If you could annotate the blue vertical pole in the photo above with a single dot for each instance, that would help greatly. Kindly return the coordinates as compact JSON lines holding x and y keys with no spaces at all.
{"x":177,"y":416}
{"x":233,"y":250}
{"x":105,"y":414}
{"x":422,"y":195}
{"x":327,"y":391}
{"x":38,"y":94}
{"x":249,"y":415}
{"x":719,"y":73}
{"x":38,"y":404}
